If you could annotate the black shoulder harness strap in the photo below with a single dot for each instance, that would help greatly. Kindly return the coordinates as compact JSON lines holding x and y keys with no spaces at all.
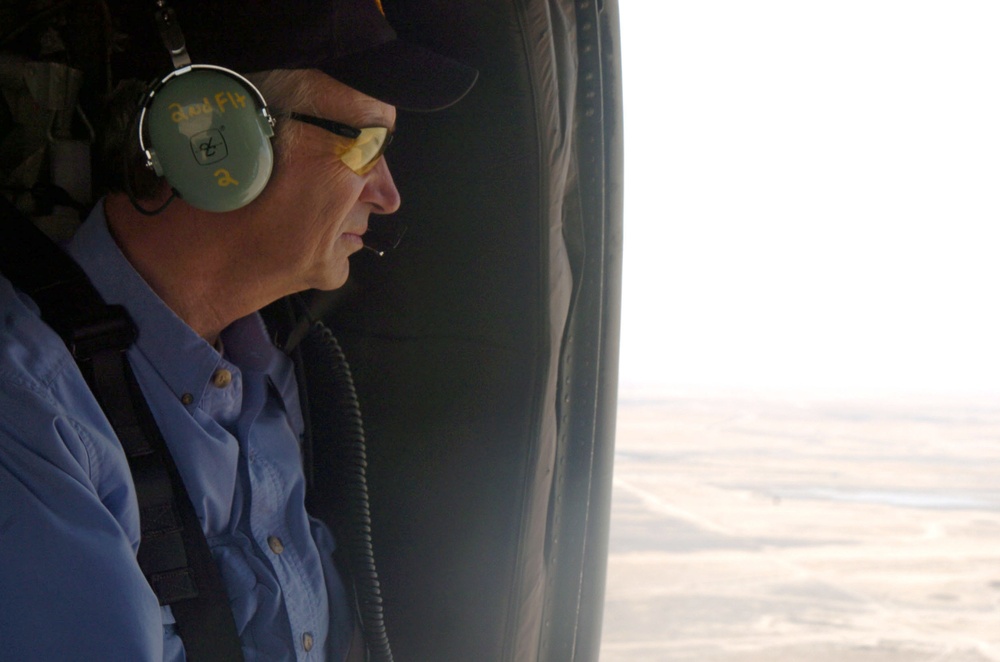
{"x":173,"y":552}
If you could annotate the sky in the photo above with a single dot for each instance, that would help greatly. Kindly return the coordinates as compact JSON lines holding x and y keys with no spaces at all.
{"x":812,"y":195}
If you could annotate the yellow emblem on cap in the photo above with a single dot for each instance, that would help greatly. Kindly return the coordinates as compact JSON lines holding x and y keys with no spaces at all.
{"x":378,"y":3}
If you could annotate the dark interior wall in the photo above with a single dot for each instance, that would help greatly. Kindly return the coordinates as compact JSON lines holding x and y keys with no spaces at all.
{"x":455,"y":337}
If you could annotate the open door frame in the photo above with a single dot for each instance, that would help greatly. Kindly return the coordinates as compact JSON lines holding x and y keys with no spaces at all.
{"x":485,"y":347}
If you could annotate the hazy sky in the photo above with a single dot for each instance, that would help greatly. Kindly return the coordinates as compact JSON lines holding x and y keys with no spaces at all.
{"x":812,"y":194}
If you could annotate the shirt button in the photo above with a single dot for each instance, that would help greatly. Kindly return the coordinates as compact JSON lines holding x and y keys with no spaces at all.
{"x":274,"y":542}
{"x":307,"y":641}
{"x":222,"y":378}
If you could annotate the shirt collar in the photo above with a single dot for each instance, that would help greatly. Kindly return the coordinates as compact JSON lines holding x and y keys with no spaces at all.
{"x":182,"y":358}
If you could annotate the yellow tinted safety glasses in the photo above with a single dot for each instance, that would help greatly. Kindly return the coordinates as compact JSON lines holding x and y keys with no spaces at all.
{"x":362,"y":148}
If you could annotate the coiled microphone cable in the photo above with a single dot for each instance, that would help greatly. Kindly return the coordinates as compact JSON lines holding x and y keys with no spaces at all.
{"x":339,"y":458}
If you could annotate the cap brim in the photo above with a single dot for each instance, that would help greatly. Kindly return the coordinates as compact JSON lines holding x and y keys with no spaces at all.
{"x":407,"y":76}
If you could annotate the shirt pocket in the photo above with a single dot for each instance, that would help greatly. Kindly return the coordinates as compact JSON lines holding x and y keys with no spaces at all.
{"x":254,"y":596}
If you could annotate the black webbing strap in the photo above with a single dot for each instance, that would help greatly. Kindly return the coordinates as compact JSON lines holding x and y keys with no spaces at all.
{"x":173,"y":552}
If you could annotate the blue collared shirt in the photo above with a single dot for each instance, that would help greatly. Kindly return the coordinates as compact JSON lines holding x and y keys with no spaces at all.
{"x":70,"y":587}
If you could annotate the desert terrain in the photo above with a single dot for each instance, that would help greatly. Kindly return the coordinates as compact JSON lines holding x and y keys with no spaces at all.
{"x":790,"y":529}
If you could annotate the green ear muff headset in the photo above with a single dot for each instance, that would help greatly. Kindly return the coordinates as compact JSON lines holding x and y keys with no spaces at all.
{"x":205,"y":129}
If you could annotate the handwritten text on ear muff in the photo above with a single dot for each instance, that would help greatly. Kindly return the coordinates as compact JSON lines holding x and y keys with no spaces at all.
{"x":224,"y":178}
{"x":207,"y":131}
{"x":181,"y":113}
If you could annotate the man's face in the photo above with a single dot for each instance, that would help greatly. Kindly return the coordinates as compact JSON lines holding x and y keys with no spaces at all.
{"x":311,"y":215}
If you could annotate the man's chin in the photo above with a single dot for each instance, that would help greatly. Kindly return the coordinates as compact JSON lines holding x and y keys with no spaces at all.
{"x":333,"y":279}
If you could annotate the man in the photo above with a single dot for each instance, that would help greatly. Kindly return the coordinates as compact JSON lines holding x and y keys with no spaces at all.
{"x":223,"y":396}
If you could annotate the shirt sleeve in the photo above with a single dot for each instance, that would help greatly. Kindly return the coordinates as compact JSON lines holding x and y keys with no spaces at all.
{"x":70,"y":584}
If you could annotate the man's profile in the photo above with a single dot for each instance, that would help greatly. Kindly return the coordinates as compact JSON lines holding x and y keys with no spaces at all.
{"x":205,"y":223}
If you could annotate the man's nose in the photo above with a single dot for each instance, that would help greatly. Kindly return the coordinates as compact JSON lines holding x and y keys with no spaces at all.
{"x":380,"y":190}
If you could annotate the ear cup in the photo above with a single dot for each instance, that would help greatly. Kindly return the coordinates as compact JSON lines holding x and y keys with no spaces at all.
{"x":207,"y":131}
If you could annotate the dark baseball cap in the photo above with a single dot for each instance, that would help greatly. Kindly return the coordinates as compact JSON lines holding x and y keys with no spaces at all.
{"x":350,"y":40}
